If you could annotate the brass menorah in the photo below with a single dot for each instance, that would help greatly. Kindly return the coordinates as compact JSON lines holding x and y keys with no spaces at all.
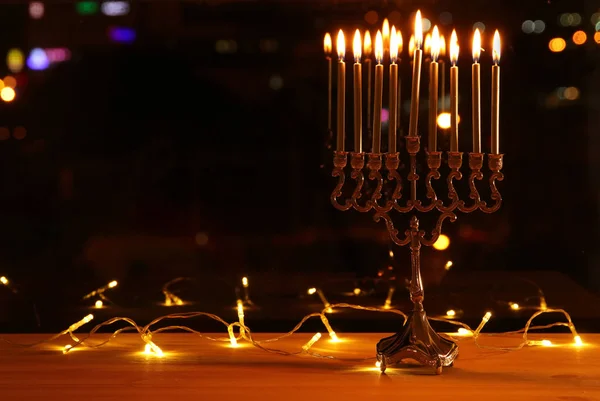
{"x":417,"y":340}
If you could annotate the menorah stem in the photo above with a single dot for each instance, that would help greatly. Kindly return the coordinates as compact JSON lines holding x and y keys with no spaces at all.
{"x":416,"y":283}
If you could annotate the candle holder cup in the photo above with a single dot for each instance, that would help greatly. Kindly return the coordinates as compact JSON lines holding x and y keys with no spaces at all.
{"x":417,"y":340}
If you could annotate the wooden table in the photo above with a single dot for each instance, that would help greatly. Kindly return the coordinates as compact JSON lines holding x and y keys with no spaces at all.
{"x":198,"y":369}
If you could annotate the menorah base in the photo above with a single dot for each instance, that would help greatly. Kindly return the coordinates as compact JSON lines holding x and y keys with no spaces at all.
{"x":419,"y":342}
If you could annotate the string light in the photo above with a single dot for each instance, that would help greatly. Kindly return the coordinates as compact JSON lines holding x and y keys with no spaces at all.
{"x":448,"y":265}
{"x":98,"y":304}
{"x":4,"y":280}
{"x":311,"y":342}
{"x":333,"y":337}
{"x":451,"y":313}
{"x":245,"y":285}
{"x":486,"y":318}
{"x":357,"y":291}
{"x":388,"y":300}
{"x":170,"y":298}
{"x":318,"y":291}
{"x":240,"y":311}
{"x":100,"y":291}
{"x":514,"y":306}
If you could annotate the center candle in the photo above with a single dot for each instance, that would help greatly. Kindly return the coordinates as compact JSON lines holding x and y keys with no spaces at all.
{"x":341,"y":98}
{"x":377,"y":99}
{"x":476,"y":95}
{"x":454,"y":93}
{"x":393,"y":91}
{"x":433,"y":90}
{"x":416,"y":77}
{"x":357,"y":93}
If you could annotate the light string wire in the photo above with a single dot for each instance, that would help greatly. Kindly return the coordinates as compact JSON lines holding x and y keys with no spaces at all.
{"x":246,"y":334}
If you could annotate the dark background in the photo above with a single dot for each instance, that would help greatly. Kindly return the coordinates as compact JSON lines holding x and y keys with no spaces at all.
{"x":200,"y":150}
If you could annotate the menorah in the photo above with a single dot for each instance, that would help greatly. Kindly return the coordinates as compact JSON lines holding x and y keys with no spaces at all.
{"x":417,"y":340}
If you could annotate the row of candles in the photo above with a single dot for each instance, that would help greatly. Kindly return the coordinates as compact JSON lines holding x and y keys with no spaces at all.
{"x":391,"y":44}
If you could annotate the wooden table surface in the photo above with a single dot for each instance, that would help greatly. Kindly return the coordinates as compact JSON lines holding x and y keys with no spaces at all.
{"x":197,"y":369}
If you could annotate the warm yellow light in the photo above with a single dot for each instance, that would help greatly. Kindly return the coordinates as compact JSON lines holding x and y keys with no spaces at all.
{"x":391,"y":253}
{"x":444,"y":120}
{"x":357,"y":46}
{"x":99,"y":304}
{"x":4,"y":280}
{"x":245,"y":282}
{"x":435,"y":43}
{"x":341,"y":45}
{"x":393,"y":45}
{"x":80,"y":323}
{"x":496,"y":47}
{"x":442,"y":243}
{"x":514,"y":306}
{"x":327,"y":44}
{"x":152,"y":349}
{"x":112,"y":284}
{"x":377,"y":364}
{"x":578,"y":341}
{"x":546,"y":343}
{"x":476,"y":46}
{"x":311,"y":342}
{"x":427,"y":44}
{"x":579,"y":37}
{"x":557,"y":45}
{"x":487,"y":316}
{"x":464,"y":332}
{"x":311,"y":291}
{"x":411,"y":46}
{"x":400,"y":41}
{"x":378,"y":47}
{"x":357,"y":291}
{"x":442,"y":45}
{"x":333,"y":337}
{"x":597,"y":37}
{"x":66,"y":348}
{"x":418,"y":30}
{"x":7,"y":94}
{"x":448,"y":265}
{"x":368,"y":46}
{"x":451,"y":313}
{"x":385,"y":30}
{"x":454,"y":48}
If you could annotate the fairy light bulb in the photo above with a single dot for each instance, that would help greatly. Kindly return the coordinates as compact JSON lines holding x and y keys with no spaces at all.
{"x":67,"y":348}
{"x":80,"y":323}
{"x":113,"y":284}
{"x":311,"y":342}
{"x":321,"y":295}
{"x":99,"y":304}
{"x":464,"y":332}
{"x":451,"y":313}
{"x":448,"y":265}
{"x":546,"y":343}
{"x":514,"y":306}
{"x":357,"y":291}
{"x":232,"y":339}
{"x":377,"y":364}
{"x":332,"y":336}
{"x":152,"y":349}
{"x":101,"y":290}
{"x":4,"y":280}
{"x":578,"y":341}
{"x":486,"y":318}
{"x":388,"y":300}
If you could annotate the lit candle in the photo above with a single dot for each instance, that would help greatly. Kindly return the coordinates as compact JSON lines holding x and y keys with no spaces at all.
{"x":433,"y":90}
{"x":454,"y":93}
{"x":385,"y":32}
{"x":443,"y":65}
{"x":416,"y":77}
{"x":357,"y":93}
{"x":377,"y":100}
{"x":393,"y":90}
{"x":496,"y":95}
{"x":327,"y":47}
{"x":476,"y":77}
{"x":368,"y":49}
{"x":341,"y":98}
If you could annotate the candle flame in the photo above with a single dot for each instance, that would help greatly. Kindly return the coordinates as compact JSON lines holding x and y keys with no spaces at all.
{"x":454,"y":48}
{"x":411,"y":45}
{"x":327,"y":44}
{"x":476,"y":46}
{"x":400,"y":41}
{"x":435,"y":44}
{"x":393,"y":45}
{"x":378,"y":47}
{"x":427,"y":44}
{"x":442,"y":45}
{"x":496,"y":47}
{"x":385,"y":31}
{"x":341,"y":45}
{"x":418,"y":30}
{"x":368,"y":46}
{"x":357,"y":45}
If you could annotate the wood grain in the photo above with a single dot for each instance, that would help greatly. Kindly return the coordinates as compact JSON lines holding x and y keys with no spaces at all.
{"x":198,"y":369}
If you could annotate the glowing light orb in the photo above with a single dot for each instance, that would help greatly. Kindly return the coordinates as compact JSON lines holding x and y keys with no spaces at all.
{"x":38,"y":60}
{"x":442,"y":243}
{"x":7,"y":94}
{"x":15,"y":60}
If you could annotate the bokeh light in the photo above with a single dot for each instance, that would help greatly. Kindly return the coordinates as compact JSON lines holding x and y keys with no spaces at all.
{"x":528,"y":26}
{"x":444,"y":120}
{"x":115,"y":8}
{"x":442,"y":243}
{"x":565,"y":19}
{"x":597,"y":37}
{"x":37,"y":60}
{"x":86,"y":7}
{"x":7,"y":94}
{"x":539,"y":26}
{"x":36,"y":9}
{"x":571,"y":93}
{"x":19,"y":133}
{"x":226,"y":46}
{"x":480,"y":26}
{"x":579,"y":37}
{"x":10,"y":81}
{"x":557,"y":45}
{"x":15,"y":60}
{"x":276,"y":82}
{"x":121,"y":34}
{"x":385,"y":115}
{"x":426,"y":24}
{"x":595,"y":18}
{"x":371,"y":17}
